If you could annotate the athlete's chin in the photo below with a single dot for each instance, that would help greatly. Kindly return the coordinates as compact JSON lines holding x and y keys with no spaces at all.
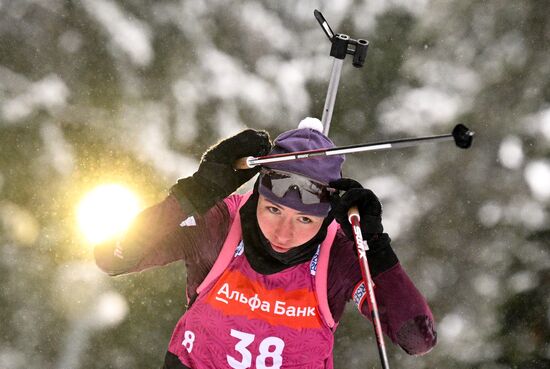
{"x":280,"y":248}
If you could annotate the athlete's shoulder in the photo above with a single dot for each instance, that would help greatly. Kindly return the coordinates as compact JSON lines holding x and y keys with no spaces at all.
{"x":234,"y":201}
{"x":342,"y":245}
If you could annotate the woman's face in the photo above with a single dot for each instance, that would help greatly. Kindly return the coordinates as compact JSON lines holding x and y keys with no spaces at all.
{"x":284,"y":227}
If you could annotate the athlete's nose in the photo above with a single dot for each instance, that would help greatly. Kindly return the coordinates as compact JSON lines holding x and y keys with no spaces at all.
{"x":285,"y":231}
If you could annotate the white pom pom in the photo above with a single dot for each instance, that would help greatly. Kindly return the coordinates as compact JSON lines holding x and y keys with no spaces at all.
{"x":312,"y":123}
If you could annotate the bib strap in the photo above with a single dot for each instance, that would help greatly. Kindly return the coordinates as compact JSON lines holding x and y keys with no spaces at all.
{"x":228,"y":249}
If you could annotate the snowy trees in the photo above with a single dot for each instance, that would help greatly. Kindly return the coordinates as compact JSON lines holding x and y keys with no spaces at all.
{"x":98,"y":91}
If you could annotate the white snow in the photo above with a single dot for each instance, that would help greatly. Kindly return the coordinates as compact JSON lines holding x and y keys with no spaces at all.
{"x":451,"y":326}
{"x":225,"y":78}
{"x":523,"y":210}
{"x":489,"y":214}
{"x":448,"y":76}
{"x":366,"y":12}
{"x":523,"y":281}
{"x":70,"y":41}
{"x":229,"y":122}
{"x":9,"y":356}
{"x":266,"y":25}
{"x":486,"y":285}
{"x":544,"y":124}
{"x":511,"y":152}
{"x":538,"y":124}
{"x":49,"y":92}
{"x":58,"y":152}
{"x":537,"y":175}
{"x":18,"y":223}
{"x":127,"y":32}
{"x":153,"y":143}
{"x":111,"y":309}
{"x":415,"y":110}
{"x":400,"y":206}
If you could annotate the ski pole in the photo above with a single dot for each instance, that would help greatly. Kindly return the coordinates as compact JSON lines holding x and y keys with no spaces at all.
{"x":461,"y":135}
{"x":361,"y":246}
{"x":340,"y":47}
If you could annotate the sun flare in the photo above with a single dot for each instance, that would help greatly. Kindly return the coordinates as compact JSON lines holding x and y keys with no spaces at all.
{"x":106,"y":211}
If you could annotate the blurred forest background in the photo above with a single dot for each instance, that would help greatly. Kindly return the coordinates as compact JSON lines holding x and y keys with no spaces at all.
{"x":132,"y":92}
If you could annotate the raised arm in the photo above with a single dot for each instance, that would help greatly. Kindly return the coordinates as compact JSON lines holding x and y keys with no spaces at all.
{"x":404,"y":313}
{"x":191,"y":222}
{"x":161,"y":234}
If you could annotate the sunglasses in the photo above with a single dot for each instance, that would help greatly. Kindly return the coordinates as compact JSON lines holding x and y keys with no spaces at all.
{"x":280,"y":183}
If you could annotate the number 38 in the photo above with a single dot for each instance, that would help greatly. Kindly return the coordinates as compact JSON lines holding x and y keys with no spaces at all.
{"x":270,"y":347}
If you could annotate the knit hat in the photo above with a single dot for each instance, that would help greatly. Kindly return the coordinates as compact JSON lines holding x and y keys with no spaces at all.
{"x":323,"y":169}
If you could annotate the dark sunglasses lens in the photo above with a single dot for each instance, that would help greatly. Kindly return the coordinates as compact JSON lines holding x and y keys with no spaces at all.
{"x":280,"y":183}
{"x":314,"y":193}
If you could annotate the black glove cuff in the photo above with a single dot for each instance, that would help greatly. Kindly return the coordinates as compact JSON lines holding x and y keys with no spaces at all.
{"x":193,"y":197}
{"x":371,"y":224}
{"x":380,"y":254}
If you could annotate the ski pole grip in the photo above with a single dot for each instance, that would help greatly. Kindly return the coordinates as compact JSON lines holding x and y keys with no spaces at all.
{"x":243,"y":163}
{"x":353,"y":212}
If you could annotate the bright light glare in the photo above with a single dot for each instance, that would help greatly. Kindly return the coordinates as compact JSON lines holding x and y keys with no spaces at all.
{"x":111,"y":309}
{"x":106,"y":211}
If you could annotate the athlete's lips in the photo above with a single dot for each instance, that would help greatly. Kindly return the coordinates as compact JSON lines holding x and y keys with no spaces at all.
{"x":278,"y":248}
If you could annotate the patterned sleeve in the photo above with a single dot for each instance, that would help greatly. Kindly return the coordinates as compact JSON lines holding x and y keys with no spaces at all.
{"x":162,"y":234}
{"x":404,"y":313}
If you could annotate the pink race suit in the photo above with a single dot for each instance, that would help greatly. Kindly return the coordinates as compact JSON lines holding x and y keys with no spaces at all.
{"x":249,"y":320}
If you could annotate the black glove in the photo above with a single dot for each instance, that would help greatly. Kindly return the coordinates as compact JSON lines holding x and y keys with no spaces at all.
{"x":216,"y":179}
{"x":370,"y":209}
{"x":380,"y":254}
